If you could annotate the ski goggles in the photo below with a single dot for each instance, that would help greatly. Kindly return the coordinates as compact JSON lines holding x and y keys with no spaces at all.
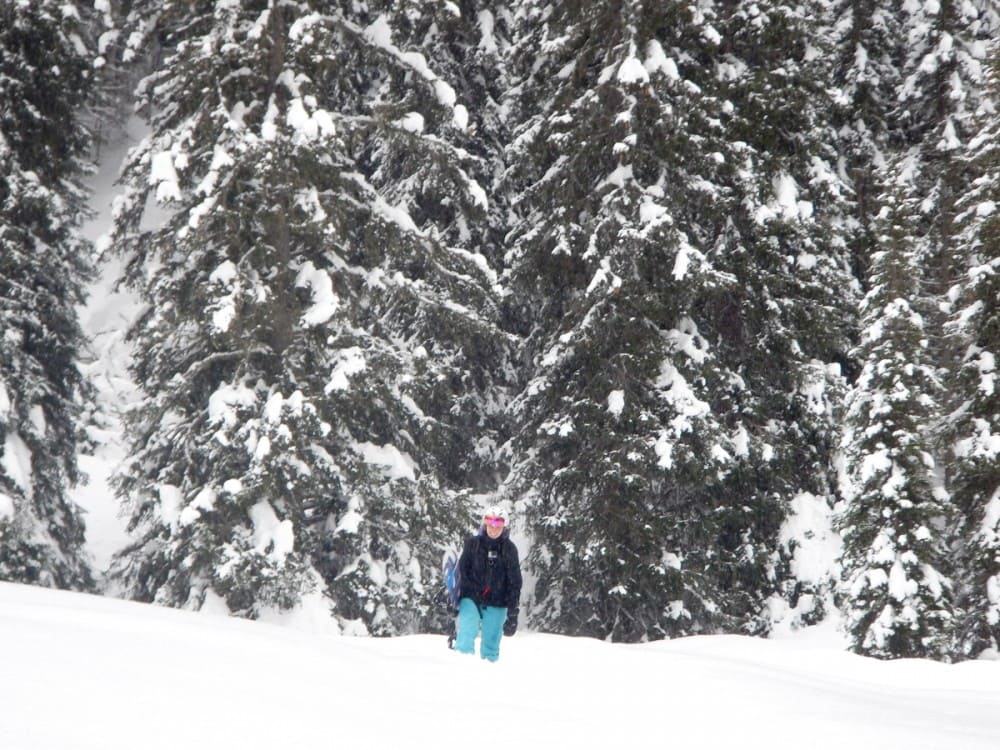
{"x":494,"y":521}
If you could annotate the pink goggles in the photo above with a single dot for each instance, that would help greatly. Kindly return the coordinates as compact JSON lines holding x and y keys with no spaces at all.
{"x":494,"y":521}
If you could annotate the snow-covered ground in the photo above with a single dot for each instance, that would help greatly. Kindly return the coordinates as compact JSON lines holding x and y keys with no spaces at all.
{"x":83,"y":672}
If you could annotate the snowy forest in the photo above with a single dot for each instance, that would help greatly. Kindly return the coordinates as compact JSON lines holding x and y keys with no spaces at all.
{"x":697,"y":289}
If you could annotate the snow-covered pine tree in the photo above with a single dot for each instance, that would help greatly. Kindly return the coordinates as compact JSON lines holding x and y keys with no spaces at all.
{"x":617,"y":452}
{"x":929,"y":59}
{"x":868,"y":48}
{"x":669,"y":252}
{"x":785,"y":321}
{"x":442,"y":165}
{"x":973,"y":429}
{"x":314,"y":340}
{"x":897,"y":599}
{"x":45,"y":78}
{"x":938,"y":97}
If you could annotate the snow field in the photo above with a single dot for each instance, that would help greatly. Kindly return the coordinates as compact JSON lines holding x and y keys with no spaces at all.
{"x":91,"y":673}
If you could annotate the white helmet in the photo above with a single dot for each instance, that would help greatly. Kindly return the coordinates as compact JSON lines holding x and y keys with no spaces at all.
{"x":497,"y":510}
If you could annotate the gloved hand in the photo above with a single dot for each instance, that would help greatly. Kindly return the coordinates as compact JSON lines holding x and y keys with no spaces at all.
{"x":510,"y":626}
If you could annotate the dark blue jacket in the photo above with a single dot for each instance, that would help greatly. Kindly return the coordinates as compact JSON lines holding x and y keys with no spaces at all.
{"x":490,"y":570}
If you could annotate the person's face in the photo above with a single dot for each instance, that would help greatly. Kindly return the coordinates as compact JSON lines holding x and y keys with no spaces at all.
{"x":494,"y":526}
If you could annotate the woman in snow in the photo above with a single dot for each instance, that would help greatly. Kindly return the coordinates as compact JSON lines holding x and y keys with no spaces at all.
{"x":490,"y":587}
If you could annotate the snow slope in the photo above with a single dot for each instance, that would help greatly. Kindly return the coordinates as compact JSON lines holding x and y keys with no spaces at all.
{"x":83,"y":672}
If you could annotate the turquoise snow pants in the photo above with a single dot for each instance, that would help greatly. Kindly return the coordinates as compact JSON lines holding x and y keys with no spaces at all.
{"x":470,"y":619}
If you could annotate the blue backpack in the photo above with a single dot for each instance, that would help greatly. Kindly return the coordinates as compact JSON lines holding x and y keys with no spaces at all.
{"x":452,"y":576}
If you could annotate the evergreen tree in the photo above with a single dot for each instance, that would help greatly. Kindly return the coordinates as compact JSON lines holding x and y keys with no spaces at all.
{"x":318,"y":339}
{"x":44,"y":82}
{"x":673,"y":276}
{"x":898,"y":600}
{"x":785,"y":323}
{"x":974,"y":426}
{"x":617,"y":451}
{"x":938,"y":97}
{"x":441,"y":165}
{"x":928,"y":81}
{"x":868,"y":47}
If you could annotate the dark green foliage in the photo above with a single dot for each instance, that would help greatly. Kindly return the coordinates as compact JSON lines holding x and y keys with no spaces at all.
{"x":787,"y":320}
{"x":44,"y":80}
{"x":595,"y":270}
{"x":899,"y":600}
{"x":868,"y":47}
{"x":974,"y":426}
{"x":673,"y":263}
{"x":922,"y":123}
{"x":976,"y":477}
{"x":316,"y":349}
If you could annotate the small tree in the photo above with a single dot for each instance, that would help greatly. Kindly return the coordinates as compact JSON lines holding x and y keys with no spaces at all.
{"x":898,"y":599}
